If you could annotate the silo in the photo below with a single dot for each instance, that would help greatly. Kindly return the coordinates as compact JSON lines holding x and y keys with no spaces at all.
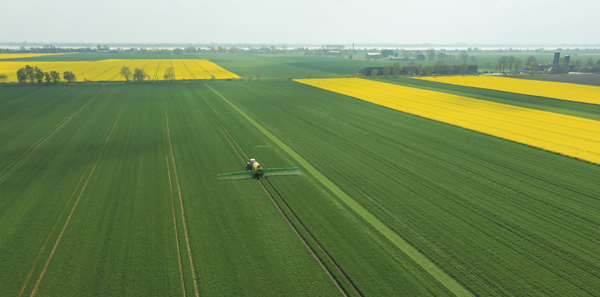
{"x":556,"y":58}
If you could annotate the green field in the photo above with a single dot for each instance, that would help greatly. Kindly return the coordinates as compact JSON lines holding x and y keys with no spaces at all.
{"x":111,"y":190}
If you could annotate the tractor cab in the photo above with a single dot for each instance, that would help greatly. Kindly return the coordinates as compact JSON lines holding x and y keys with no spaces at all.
{"x":252,"y":165}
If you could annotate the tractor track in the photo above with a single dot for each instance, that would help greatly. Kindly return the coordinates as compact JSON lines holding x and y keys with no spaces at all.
{"x":51,"y":132}
{"x":187,"y":240}
{"x":34,"y":291}
{"x":311,"y":250}
{"x":173,"y":206}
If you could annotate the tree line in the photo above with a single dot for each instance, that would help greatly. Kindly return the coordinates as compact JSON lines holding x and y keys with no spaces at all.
{"x":36,"y":75}
{"x":419,"y":69}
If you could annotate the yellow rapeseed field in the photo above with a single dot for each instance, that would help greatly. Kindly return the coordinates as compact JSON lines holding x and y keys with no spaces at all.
{"x":567,"y":135}
{"x":17,"y":56}
{"x":556,"y":90}
{"x":108,"y":70}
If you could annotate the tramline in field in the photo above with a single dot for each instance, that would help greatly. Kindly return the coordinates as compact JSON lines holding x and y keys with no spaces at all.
{"x":254,"y":170}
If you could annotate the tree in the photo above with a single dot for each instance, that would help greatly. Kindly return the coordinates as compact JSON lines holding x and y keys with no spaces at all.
{"x":397,"y":69}
{"x":139,"y":75}
{"x":473,"y":60}
{"x":39,"y":75}
{"x":412,"y":65}
{"x":428,"y":70}
{"x":578,"y":63}
{"x":439,"y":67}
{"x":464,"y":67}
{"x":502,"y":61}
{"x":257,"y":77}
{"x":430,"y":54}
{"x":30,"y":73}
{"x":464,"y":56}
{"x":441,"y":56}
{"x":589,"y":62}
{"x":3,"y":78}
{"x":374,"y":72}
{"x":125,"y":73}
{"x":532,"y":66}
{"x":386,"y":71}
{"x":69,"y":76}
{"x":350,"y":56}
{"x":55,"y":76}
{"x":178,"y":51}
{"x":169,"y":74}
{"x":420,"y":68}
{"x":510,"y":62}
{"x":530,"y":59}
{"x":450,"y":69}
{"x":21,"y":75}
{"x":518,"y":65}
{"x":47,"y":77}
{"x":368,"y":57}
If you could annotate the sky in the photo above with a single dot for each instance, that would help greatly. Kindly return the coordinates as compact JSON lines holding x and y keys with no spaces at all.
{"x":302,"y":21}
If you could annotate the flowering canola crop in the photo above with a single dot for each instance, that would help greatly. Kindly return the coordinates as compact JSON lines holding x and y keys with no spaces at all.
{"x":563,"y":134}
{"x":108,"y":70}
{"x":556,"y":90}
{"x":18,"y":56}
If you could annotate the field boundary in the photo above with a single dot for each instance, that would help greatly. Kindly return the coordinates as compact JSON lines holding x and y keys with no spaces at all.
{"x":450,"y":283}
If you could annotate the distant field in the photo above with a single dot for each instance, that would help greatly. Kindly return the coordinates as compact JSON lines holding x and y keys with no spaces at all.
{"x":583,"y":79}
{"x":108,"y":70}
{"x":571,"y":136}
{"x":562,"y":91}
{"x":26,"y":56}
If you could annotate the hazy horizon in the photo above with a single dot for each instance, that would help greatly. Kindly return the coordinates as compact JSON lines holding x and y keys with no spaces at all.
{"x":528,"y":22}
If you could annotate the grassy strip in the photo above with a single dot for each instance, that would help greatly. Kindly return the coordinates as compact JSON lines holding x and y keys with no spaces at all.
{"x":414,"y":254}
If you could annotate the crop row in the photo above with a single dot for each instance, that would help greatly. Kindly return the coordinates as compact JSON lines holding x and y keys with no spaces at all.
{"x":515,"y":221}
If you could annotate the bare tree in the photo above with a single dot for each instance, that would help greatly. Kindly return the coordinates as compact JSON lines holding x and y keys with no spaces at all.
{"x":464,"y":56}
{"x":3,"y":78}
{"x":473,"y":60}
{"x":441,"y":56}
{"x":125,"y":73}
{"x":430,"y":54}
{"x":502,"y":61}
{"x":518,"y":65}
{"x":510,"y":62}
